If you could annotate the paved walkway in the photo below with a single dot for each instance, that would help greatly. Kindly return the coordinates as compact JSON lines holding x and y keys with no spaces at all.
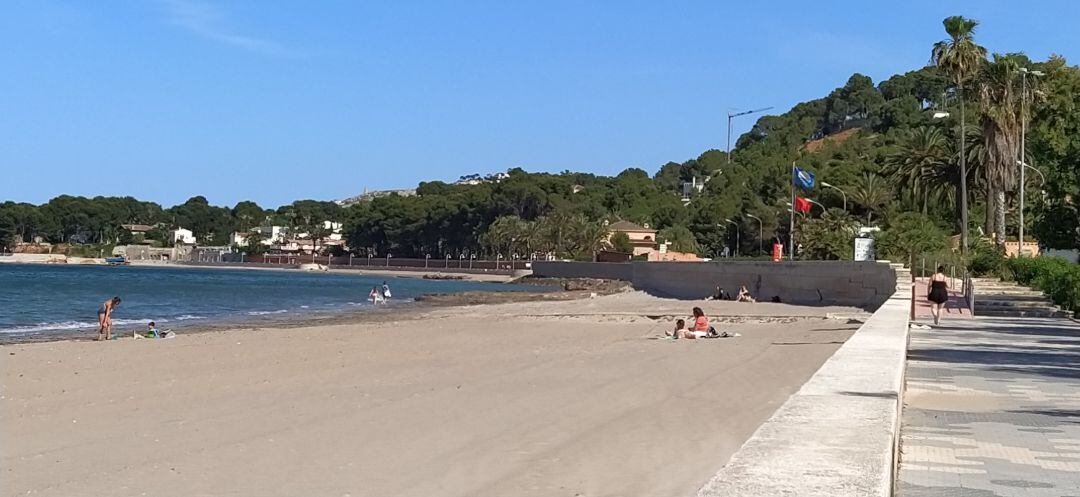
{"x":992,"y":408}
{"x":956,"y":307}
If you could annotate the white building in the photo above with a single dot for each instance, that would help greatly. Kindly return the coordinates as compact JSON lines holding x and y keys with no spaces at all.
{"x":182,"y":236}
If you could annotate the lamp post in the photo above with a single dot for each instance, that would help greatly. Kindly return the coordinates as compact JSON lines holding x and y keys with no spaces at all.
{"x":472,"y":257}
{"x":737,"y":240}
{"x":461,"y":260}
{"x":760,"y":231}
{"x":388,"y":256}
{"x":427,"y":257}
{"x":369,"y":258}
{"x":737,"y":114}
{"x":447,"y":260}
{"x":1023,"y":140}
{"x":842,"y":192}
{"x":817,"y":204}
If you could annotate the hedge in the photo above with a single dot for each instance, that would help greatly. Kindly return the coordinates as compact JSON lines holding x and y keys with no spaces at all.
{"x":1057,"y":277}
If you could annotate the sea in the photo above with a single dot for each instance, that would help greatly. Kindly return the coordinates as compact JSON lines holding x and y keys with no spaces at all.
{"x":54,"y":301}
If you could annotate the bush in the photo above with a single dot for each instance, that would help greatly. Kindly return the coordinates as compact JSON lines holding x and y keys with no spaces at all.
{"x":1059,"y":278}
{"x":986,"y":260}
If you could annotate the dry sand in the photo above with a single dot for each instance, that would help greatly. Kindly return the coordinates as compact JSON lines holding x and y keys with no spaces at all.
{"x":546,"y":398}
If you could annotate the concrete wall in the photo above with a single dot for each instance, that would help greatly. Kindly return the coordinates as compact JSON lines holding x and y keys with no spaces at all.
{"x":603,"y":270}
{"x":837,"y":436}
{"x":860,"y":284}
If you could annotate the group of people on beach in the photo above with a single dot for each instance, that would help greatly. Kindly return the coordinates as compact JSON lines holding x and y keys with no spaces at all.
{"x":379,"y":296}
{"x":743,"y":296}
{"x":699,"y":329}
{"x":104,"y":315}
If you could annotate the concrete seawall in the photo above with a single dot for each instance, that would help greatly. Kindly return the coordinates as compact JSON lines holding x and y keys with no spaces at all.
{"x":838,"y":435}
{"x":861,"y":284}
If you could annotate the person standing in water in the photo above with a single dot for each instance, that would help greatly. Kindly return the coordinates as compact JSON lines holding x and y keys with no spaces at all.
{"x":937,"y":292}
{"x":385,"y":291}
{"x":104,"y":316}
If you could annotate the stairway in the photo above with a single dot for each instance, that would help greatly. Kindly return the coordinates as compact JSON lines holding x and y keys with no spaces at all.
{"x":1001,"y":298}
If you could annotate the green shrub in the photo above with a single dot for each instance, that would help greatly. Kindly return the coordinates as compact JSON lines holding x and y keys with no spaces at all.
{"x":986,"y":260}
{"x":1057,"y":277}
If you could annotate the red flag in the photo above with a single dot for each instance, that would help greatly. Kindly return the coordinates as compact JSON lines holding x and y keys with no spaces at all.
{"x":802,"y":205}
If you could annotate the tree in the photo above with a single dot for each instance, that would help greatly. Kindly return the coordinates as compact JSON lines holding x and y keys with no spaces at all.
{"x":922,"y":165}
{"x":620,"y":242}
{"x":680,"y":238}
{"x":960,"y":58}
{"x":871,"y":193}
{"x":910,"y":234}
{"x":999,"y":90}
{"x":830,"y":237}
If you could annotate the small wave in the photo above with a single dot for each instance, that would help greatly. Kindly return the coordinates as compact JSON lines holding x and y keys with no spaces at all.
{"x":71,"y":325}
{"x":186,"y":317}
{"x":263,"y":313}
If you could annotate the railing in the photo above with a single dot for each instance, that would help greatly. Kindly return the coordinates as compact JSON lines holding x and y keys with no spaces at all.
{"x":969,"y":293}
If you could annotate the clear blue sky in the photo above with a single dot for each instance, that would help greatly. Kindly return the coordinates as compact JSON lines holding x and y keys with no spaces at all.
{"x":275,"y":101}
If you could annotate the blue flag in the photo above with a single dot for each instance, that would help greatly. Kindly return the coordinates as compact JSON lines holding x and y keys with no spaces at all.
{"x":803,"y":178}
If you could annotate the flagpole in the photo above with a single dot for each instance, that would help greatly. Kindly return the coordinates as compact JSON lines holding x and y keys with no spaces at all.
{"x":791,"y":228}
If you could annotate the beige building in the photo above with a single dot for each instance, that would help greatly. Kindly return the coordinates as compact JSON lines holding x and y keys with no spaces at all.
{"x":642,"y":238}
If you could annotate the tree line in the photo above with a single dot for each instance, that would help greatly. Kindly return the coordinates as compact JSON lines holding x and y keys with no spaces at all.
{"x":905,"y":155}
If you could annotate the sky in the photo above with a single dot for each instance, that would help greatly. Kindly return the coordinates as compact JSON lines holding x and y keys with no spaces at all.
{"x":278,"y":101}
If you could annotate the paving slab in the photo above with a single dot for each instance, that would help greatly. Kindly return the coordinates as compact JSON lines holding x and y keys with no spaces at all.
{"x":992,"y":408}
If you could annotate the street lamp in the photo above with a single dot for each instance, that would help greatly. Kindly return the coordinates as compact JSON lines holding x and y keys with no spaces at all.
{"x":1023,"y":140}
{"x":760,"y":231}
{"x":817,"y":204}
{"x":837,"y":189}
{"x":737,"y":240}
{"x":388,"y":256}
{"x":461,"y":260}
{"x":447,"y":260}
{"x":737,"y":114}
{"x":472,"y":257}
{"x":427,"y":257}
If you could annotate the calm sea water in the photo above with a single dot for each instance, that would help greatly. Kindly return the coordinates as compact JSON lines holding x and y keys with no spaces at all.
{"x":44,"y":300}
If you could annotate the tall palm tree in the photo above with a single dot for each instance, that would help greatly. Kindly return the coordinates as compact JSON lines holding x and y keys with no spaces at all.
{"x":871,"y":192}
{"x":999,"y":92}
{"x":960,"y":58}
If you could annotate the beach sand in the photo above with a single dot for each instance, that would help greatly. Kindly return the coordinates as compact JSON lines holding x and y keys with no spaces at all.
{"x":538,"y":398}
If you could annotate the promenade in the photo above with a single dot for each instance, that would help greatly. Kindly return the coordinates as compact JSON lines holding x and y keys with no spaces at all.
{"x":992,"y":408}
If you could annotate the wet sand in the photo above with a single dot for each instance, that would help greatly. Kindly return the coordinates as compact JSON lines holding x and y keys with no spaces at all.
{"x":529,"y":398}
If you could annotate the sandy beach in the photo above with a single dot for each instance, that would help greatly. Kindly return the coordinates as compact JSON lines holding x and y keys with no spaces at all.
{"x":537,"y":398}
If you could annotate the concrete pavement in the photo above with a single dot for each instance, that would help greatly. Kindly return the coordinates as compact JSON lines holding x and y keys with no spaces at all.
{"x":992,"y":408}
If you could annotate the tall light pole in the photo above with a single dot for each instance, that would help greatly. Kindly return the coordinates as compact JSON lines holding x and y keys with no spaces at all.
{"x":737,"y":114}
{"x":1023,"y":140}
{"x":760,"y":231}
{"x":815,"y":202}
{"x":737,"y":236}
{"x":842,"y":192}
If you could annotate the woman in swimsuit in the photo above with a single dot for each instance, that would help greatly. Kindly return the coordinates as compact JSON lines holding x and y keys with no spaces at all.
{"x":104,"y":316}
{"x":937,"y":293}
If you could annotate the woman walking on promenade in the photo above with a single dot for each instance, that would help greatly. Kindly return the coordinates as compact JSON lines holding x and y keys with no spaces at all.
{"x":104,"y":316}
{"x":937,"y":293}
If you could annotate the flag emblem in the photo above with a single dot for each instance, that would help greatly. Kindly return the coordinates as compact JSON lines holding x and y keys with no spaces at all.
{"x":804,"y":178}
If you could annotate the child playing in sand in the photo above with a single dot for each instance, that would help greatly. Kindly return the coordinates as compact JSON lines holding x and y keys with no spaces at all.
{"x":744,"y":295}
{"x":680,"y":330}
{"x":152,"y":332}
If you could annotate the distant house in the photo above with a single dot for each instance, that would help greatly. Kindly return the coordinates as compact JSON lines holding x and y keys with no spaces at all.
{"x":644,"y":241}
{"x":137,"y":229}
{"x":182,"y":236}
{"x":641,"y":237}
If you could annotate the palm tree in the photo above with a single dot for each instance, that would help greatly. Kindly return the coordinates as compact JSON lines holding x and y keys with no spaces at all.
{"x":871,"y":192}
{"x":999,"y":91}
{"x":960,"y":58}
{"x":921,"y":165}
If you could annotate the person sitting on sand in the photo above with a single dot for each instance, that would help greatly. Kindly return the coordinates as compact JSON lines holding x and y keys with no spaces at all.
{"x":680,"y":330}
{"x":104,"y":315}
{"x":744,"y":295}
{"x":152,"y":332}
{"x":720,"y":294}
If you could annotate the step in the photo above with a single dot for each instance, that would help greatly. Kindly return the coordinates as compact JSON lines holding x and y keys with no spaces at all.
{"x":1033,"y":313}
{"x":1008,"y":293}
{"x":1000,"y":305}
{"x":1013,"y":301}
